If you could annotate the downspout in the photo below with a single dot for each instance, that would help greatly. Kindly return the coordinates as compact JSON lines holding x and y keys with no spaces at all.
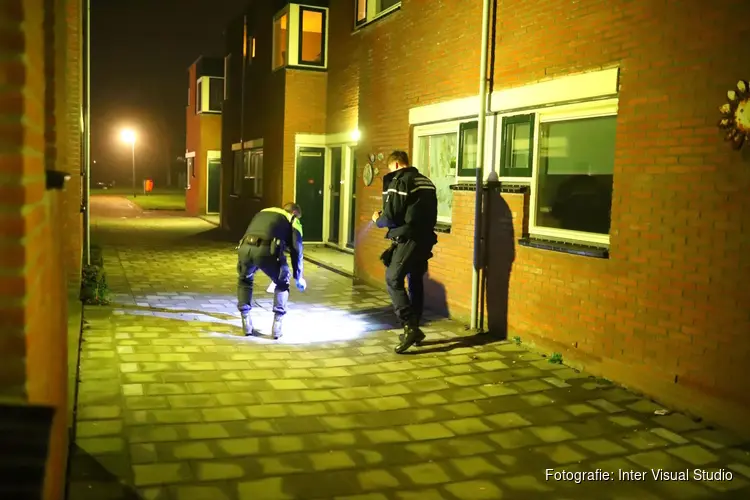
{"x":481,"y":126}
{"x":87,"y":137}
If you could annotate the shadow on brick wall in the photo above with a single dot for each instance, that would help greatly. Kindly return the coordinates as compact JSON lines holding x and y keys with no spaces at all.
{"x":500,"y":252}
{"x":436,"y":297}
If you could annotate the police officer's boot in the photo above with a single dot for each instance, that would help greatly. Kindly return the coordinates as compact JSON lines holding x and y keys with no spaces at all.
{"x":412,"y":335}
{"x":247,"y":324}
{"x":279,"y":308}
{"x":276,"y":328}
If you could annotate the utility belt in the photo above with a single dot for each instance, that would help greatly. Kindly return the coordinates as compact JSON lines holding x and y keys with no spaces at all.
{"x":276,"y":246}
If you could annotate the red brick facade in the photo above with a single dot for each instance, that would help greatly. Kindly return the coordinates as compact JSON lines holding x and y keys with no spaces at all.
{"x":41,"y":247}
{"x":203,"y":135}
{"x":666,"y":312}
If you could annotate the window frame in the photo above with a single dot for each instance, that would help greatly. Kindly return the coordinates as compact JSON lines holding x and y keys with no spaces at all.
{"x":227,"y":70}
{"x":199,"y":96}
{"x":371,"y":14}
{"x":256,"y":176}
{"x":203,"y":95}
{"x":531,"y":119}
{"x":237,"y":173}
{"x":463,"y":127}
{"x":441,"y":128}
{"x":277,"y":18}
{"x":189,"y":170}
{"x":323,"y":39}
{"x":590,"y":109}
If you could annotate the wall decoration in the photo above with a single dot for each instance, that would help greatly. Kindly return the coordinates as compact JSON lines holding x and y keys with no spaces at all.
{"x":370,"y":171}
{"x":367,"y":174}
{"x":735,"y":119}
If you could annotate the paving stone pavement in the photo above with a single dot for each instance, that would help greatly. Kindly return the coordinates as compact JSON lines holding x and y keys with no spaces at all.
{"x":173,"y":404}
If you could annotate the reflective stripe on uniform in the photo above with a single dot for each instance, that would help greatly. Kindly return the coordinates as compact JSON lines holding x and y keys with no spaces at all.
{"x":296,"y":224}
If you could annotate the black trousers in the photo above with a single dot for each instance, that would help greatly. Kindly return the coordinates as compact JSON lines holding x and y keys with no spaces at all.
{"x":407,"y":261}
{"x":253,"y":258}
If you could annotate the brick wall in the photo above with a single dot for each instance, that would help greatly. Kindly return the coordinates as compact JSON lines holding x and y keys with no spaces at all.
{"x":41,"y":231}
{"x":304,"y":113}
{"x":203,"y":135}
{"x":414,"y":57}
{"x":342,"y":101}
{"x":667,"y":312}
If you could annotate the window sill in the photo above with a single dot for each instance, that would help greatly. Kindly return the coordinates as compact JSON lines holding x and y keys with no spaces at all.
{"x":377,"y":18}
{"x":569,"y":248}
{"x":504,"y":188}
{"x":443,"y":227}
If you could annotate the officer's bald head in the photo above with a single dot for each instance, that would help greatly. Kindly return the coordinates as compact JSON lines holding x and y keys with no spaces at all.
{"x":293,"y":209}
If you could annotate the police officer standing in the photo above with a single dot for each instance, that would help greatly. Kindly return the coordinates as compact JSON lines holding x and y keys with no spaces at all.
{"x":410,"y":214}
{"x":271,"y":232}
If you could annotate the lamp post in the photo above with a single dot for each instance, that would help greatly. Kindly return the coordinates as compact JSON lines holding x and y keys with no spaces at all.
{"x":128,"y":136}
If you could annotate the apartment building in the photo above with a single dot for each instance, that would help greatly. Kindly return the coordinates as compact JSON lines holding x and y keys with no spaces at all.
{"x":40,"y":241}
{"x":615,"y":233}
{"x":203,"y":139}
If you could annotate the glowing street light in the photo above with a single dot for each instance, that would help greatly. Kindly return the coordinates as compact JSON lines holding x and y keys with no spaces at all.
{"x":128,"y":137}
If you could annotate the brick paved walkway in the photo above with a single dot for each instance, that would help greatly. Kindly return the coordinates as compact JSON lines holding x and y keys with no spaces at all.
{"x":173,"y":405}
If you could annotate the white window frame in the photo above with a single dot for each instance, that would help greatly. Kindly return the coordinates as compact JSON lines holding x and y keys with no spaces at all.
{"x":203,"y":98}
{"x":590,"y":109}
{"x":293,"y":11}
{"x":189,"y":167}
{"x":420,"y":131}
{"x":372,"y":12}
{"x":227,"y":66}
{"x":257,"y":176}
{"x":283,"y":12}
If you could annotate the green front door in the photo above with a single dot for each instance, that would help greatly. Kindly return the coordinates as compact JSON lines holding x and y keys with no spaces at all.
{"x":310,"y":176}
{"x":213,"y":190}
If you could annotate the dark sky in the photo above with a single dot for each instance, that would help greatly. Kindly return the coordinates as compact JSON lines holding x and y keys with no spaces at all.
{"x":140,"y":53}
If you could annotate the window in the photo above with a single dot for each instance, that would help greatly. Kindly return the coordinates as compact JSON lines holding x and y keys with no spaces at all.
{"x":215,"y":94}
{"x":254,"y":170}
{"x":312,"y":36}
{"x":252,"y":47}
{"x":575,"y":175}
{"x":437,"y":160}
{"x":468,"y":133}
{"x":227,"y":69}
{"x":517,"y":146}
{"x":369,"y":10}
{"x":280,"y":41}
{"x":209,"y":94}
{"x":237,"y":172}
{"x":190,"y":164}
{"x":198,"y":95}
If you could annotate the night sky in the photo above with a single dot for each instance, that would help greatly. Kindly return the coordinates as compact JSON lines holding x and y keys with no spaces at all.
{"x":140,"y":53}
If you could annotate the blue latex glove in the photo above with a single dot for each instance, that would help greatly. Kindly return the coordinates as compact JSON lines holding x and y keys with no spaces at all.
{"x":301,"y":284}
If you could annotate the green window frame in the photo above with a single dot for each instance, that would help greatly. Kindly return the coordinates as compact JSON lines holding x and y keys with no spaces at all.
{"x":506,"y":170}
{"x":464,"y":170}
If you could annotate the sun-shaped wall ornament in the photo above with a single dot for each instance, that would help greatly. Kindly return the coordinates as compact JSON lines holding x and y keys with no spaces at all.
{"x":736,"y":115}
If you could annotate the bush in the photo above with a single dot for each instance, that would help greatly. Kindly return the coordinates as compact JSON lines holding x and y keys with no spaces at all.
{"x":94,"y":290}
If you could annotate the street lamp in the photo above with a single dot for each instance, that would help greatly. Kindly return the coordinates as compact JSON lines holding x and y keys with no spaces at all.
{"x":128,"y":137}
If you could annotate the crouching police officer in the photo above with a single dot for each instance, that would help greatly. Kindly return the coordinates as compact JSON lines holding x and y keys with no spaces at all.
{"x":271,"y":232}
{"x":410,"y":214}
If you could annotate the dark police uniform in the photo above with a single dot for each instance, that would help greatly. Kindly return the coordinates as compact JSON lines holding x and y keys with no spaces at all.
{"x":410,"y":214}
{"x":270,"y":233}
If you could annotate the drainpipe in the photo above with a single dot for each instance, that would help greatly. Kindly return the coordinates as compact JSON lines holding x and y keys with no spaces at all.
{"x":87,"y":136}
{"x":475,"y":279}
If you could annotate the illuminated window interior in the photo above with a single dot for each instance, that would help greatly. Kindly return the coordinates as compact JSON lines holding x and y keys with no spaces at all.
{"x":312,"y":42}
{"x":280,"y":41}
{"x":361,"y":11}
